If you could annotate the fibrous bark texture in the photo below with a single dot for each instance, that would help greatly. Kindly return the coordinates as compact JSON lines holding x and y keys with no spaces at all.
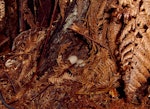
{"x":74,"y":54}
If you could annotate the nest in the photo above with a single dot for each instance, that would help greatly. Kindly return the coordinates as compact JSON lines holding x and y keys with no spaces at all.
{"x":93,"y":54}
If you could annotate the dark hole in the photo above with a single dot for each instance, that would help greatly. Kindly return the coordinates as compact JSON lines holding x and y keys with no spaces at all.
{"x":141,"y":2}
{"x":125,"y":6}
{"x":133,"y":30}
{"x":136,"y":44}
{"x":129,"y":63}
{"x":69,"y":72}
{"x":145,"y":27}
{"x":121,"y":89}
{"x":139,"y":35}
{"x":117,"y":2}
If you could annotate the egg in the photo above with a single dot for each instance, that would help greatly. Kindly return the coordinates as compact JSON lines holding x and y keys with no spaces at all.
{"x":80,"y":63}
{"x":73,"y":59}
